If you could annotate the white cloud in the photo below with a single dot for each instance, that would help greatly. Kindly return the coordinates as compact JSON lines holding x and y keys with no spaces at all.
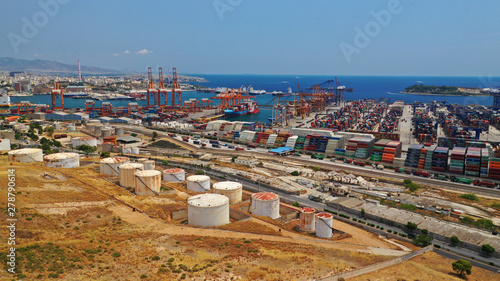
{"x":143,"y":52}
{"x":125,"y":52}
{"x":115,"y":55}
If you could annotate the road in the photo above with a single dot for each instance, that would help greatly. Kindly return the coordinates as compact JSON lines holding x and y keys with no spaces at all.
{"x":301,"y":160}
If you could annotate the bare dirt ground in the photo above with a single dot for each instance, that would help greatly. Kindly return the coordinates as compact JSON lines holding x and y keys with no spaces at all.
{"x":97,"y":235}
{"x":427,"y":267}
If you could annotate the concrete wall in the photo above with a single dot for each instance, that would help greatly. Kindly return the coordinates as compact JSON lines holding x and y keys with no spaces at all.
{"x":180,"y":214}
{"x":238,"y":215}
{"x":377,"y":266}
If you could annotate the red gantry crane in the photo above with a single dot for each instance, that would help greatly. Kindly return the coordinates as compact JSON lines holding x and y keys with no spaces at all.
{"x":57,"y":91}
{"x":151,"y":89}
{"x":161,"y":89}
{"x":176,"y":90}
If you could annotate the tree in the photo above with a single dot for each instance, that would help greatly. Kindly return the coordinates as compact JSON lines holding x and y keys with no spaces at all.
{"x":422,"y":240}
{"x":105,"y":154}
{"x":200,"y":172}
{"x":50,"y":131}
{"x":234,"y":158}
{"x":87,"y":149}
{"x":468,"y":220}
{"x":407,"y":181}
{"x":296,"y":204}
{"x":462,"y":267}
{"x":155,"y":135}
{"x":14,"y":146}
{"x":484,"y":223}
{"x":487,"y":249}
{"x":412,"y":186}
{"x":425,"y":231}
{"x":454,"y":240}
{"x":411,"y":226}
{"x":363,"y":213}
{"x":295,"y":173}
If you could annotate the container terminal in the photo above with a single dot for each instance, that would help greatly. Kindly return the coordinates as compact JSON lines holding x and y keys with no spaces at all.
{"x":324,"y":168}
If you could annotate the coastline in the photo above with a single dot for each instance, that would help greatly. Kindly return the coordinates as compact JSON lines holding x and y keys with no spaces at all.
{"x":431,"y":94}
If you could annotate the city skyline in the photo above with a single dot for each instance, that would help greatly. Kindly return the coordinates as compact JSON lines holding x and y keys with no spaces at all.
{"x":401,"y":38}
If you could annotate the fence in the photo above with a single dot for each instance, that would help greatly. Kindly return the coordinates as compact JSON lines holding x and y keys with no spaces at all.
{"x":377,"y":266}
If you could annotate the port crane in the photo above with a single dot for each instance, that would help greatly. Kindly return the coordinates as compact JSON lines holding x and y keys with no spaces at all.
{"x":176,"y":90}
{"x":161,"y":89}
{"x":151,"y":89}
{"x":57,"y":91}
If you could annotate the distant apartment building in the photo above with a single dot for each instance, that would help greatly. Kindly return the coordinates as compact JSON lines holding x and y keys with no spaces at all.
{"x":22,"y":86}
{"x":71,"y":88}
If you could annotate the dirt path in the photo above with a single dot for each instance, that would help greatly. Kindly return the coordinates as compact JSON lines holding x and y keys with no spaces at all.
{"x":142,"y":222}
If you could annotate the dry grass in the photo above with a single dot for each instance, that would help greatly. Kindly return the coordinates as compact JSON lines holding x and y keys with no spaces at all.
{"x":429,"y":266}
{"x":250,"y":227}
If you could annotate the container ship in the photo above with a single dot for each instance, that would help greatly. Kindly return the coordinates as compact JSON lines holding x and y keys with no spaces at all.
{"x":246,"y":107}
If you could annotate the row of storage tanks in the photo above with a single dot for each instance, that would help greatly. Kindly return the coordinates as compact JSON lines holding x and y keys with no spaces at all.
{"x":209,"y":209}
{"x":104,"y":130}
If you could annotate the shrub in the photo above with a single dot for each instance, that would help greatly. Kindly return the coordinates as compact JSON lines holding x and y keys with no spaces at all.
{"x":295,"y":173}
{"x":454,"y":240}
{"x":144,"y":276}
{"x":425,"y":231}
{"x":469,"y":196}
{"x":468,"y":220}
{"x":412,"y":186}
{"x":409,"y":207}
{"x":200,"y":172}
{"x":316,"y":168}
{"x":296,"y":204}
{"x":422,"y":240}
{"x":389,"y":230}
{"x":116,"y":255}
{"x":155,"y":258}
{"x":407,"y":181}
{"x":437,"y":246}
{"x":487,"y":249}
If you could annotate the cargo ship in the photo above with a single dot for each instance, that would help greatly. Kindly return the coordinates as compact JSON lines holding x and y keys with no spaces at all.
{"x":4,"y":100}
{"x":246,"y":107}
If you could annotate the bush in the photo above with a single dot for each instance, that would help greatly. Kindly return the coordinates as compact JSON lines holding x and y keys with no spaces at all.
{"x":412,"y":186}
{"x":295,"y":173}
{"x":200,"y":172}
{"x":116,"y":255}
{"x":468,"y":220}
{"x":411,"y":226}
{"x":487,"y":249}
{"x":409,"y":207}
{"x":425,"y":231}
{"x":454,"y":240}
{"x":407,"y":181}
{"x":484,"y":223}
{"x":316,"y":168}
{"x":469,"y":196}
{"x":422,"y":240}
{"x":296,"y":204}
{"x":389,"y":230}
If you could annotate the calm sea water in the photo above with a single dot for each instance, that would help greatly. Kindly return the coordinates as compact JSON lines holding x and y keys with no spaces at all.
{"x":374,"y":87}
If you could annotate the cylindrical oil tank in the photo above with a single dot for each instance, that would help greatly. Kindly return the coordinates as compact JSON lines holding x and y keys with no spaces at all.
{"x":57,"y":126}
{"x":109,"y":166}
{"x":95,"y":121}
{"x":324,"y":223}
{"x":307,"y":219}
{"x":106,"y":132}
{"x":26,"y":155}
{"x":147,"y":182}
{"x":149,"y":165}
{"x":98,"y":130}
{"x":208,"y":210}
{"x":71,"y":128}
{"x":174,"y":175}
{"x":62,"y":160}
{"x":90,"y":141}
{"x":233,"y":190}
{"x":90,"y":127}
{"x":135,"y":150}
{"x":109,"y":139}
{"x":266,"y":204}
{"x":198,"y":183}
{"x":119,"y":132}
{"x":127,"y":173}
{"x":141,"y":160}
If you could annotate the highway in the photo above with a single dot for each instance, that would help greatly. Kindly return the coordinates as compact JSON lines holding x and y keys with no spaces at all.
{"x":303,"y":160}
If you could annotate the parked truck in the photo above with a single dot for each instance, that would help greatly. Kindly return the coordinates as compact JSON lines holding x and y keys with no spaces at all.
{"x":359,"y":163}
{"x":214,"y":142}
{"x":317,"y":156}
{"x":421,"y":173}
{"x":484,"y":183}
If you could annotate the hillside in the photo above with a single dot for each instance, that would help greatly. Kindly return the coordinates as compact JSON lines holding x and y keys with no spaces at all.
{"x":13,"y":64}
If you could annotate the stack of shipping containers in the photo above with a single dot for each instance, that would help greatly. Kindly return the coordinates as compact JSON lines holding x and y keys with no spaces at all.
{"x":413,"y":155}
{"x":457,"y":160}
{"x":494,"y":169}
{"x":440,"y":159}
{"x":485,"y":159}
{"x":473,"y":161}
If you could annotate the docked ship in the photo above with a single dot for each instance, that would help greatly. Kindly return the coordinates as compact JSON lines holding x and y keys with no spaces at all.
{"x":246,"y":107}
{"x":4,"y":100}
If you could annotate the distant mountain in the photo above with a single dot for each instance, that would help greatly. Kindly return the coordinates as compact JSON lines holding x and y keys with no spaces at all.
{"x":46,"y":66}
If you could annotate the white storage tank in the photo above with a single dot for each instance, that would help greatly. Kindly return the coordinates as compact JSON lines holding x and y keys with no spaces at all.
{"x":127,"y":173}
{"x":119,"y":132}
{"x":324,"y":223}
{"x":71,"y":128}
{"x":174,"y":175}
{"x":109,"y":166}
{"x":98,"y":130}
{"x":75,"y":142}
{"x":135,"y":150}
{"x":147,"y":182}
{"x":141,"y":160}
{"x":266,"y":204}
{"x":95,"y":121}
{"x":149,"y":165}
{"x":106,"y":132}
{"x":307,"y":219}
{"x":233,"y":190}
{"x":208,"y":210}
{"x":26,"y":155}
{"x":57,"y":126}
{"x":198,"y":183}
{"x":62,"y":160}
{"x":4,"y":144}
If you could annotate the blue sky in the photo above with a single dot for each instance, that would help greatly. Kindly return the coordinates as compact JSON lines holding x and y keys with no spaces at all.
{"x":442,"y":38}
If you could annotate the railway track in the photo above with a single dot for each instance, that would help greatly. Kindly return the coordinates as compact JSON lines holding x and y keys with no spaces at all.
{"x":328,"y":165}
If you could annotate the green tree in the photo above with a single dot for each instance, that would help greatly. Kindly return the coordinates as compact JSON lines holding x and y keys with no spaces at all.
{"x":411,"y":226}
{"x":484,"y":223}
{"x":422,"y":240}
{"x":407,"y":181}
{"x":155,"y":135}
{"x":134,"y":135}
{"x":14,"y":146}
{"x":295,"y":173}
{"x":316,"y":168}
{"x":234,"y":158}
{"x":105,"y":154}
{"x":468,"y":220}
{"x":87,"y":149}
{"x":425,"y":231}
{"x":412,"y":186}
{"x":200,"y":172}
{"x":50,"y":131}
{"x":462,"y":267}
{"x":469,"y":196}
{"x":363,"y":213}
{"x":487,"y":249}
{"x":296,"y":204}
{"x":454,"y":240}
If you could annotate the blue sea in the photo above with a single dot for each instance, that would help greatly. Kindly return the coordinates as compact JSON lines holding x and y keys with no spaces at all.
{"x":373,"y":87}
